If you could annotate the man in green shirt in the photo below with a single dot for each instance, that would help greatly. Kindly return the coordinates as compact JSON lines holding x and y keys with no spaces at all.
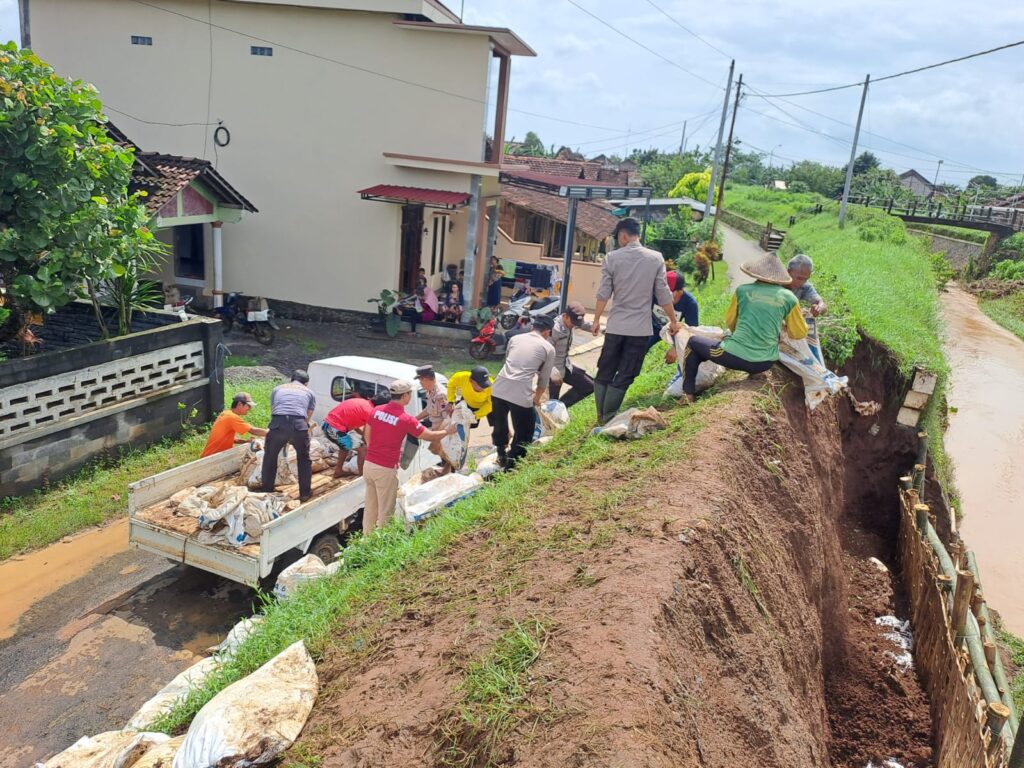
{"x":755,"y":316}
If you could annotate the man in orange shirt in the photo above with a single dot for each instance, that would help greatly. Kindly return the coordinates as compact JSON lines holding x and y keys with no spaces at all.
{"x":231,"y":423}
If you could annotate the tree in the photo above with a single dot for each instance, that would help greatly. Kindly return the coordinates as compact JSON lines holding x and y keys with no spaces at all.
{"x":68,"y":227}
{"x":824,"y":179}
{"x":661,"y":171}
{"x":532,"y":146}
{"x":863,"y":163}
{"x":983,"y":180}
{"x":880,"y":184}
{"x":693,"y":185}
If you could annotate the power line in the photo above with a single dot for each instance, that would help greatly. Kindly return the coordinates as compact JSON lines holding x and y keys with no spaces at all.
{"x":687,"y":29}
{"x":154,"y":122}
{"x":914,"y":71}
{"x":364,"y":70}
{"x":639,"y":134}
{"x":641,"y":45}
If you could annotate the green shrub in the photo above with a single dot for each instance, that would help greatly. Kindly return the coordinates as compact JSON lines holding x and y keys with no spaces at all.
{"x":876,"y":226}
{"x":1012,"y":247}
{"x":1008,"y":270}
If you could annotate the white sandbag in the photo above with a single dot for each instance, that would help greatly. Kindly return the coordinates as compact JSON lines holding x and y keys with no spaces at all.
{"x":308,"y":568}
{"x":455,"y":447}
{"x":160,"y":755}
{"x":255,"y":719}
{"x":803,"y":357}
{"x":239,"y":633}
{"x":421,"y":501}
{"x":287,"y":468}
{"x":707,"y":373}
{"x":633,"y":423}
{"x":352,"y":465}
{"x":164,"y":699}
{"x":554,"y":416}
{"x":111,"y":749}
{"x":488,"y":466}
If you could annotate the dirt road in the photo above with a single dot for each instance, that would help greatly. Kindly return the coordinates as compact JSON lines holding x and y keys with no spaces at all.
{"x":986,"y":441}
{"x":736,"y":249}
{"x":91,"y":630}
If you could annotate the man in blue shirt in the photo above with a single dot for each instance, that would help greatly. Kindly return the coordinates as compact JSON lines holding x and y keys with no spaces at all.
{"x":291,"y":408}
{"x":684,"y":304}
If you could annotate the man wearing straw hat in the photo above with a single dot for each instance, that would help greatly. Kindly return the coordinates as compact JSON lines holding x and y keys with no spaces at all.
{"x":755,"y":316}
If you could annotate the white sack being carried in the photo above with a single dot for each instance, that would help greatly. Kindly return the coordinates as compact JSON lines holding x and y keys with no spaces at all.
{"x":164,"y":699}
{"x":111,"y":749}
{"x":421,"y":501}
{"x":707,"y":373}
{"x":253,"y":720}
{"x":252,"y":466}
{"x":803,"y":357}
{"x":633,"y":423}
{"x":308,"y":568}
{"x":455,"y":447}
{"x":554,"y":416}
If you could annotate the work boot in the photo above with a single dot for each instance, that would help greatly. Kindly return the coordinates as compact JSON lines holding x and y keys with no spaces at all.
{"x":600,"y":390}
{"x":503,"y":458}
{"x":612,"y":400}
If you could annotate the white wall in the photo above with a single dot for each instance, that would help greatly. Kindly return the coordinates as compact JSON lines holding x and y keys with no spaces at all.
{"x":305,"y":133}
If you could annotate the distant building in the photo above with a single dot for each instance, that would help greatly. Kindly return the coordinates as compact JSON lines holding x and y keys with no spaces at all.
{"x":917,"y":183}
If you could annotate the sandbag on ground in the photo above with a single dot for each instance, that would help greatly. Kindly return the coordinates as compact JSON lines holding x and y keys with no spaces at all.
{"x":160,"y":755}
{"x":708,"y":371}
{"x":308,"y":568}
{"x":253,"y":720}
{"x":164,"y":699}
{"x":633,"y":423}
{"x":110,"y":749}
{"x":421,"y":501}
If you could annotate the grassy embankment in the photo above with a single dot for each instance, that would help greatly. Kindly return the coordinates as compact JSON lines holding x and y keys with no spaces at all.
{"x":99,"y":493}
{"x":378,"y":568}
{"x":957,"y":233}
{"x":1008,"y":311}
{"x":764,"y":205}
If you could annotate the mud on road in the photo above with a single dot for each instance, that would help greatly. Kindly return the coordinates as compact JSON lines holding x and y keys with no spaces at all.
{"x":101,"y":631}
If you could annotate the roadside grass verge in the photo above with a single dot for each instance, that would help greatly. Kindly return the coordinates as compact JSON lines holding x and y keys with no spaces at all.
{"x":1008,"y":311}
{"x":99,"y":492}
{"x":372,"y":566}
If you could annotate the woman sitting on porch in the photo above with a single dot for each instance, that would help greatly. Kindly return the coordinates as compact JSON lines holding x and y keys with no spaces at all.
{"x":452,"y":310}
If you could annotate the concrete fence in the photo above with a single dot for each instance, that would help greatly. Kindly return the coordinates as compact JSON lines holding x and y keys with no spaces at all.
{"x":61,"y":409}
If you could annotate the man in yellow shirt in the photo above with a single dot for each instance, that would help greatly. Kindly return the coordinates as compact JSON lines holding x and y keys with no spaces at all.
{"x":474,"y":387}
{"x":231,"y":423}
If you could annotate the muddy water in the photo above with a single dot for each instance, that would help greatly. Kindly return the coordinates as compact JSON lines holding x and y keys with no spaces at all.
{"x":986,"y":441}
{"x":27,"y":580}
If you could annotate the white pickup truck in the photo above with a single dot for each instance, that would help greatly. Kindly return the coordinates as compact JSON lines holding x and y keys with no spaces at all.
{"x":314,"y":526}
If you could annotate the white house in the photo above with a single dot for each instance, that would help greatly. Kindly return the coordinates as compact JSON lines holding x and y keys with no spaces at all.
{"x":358,"y":127}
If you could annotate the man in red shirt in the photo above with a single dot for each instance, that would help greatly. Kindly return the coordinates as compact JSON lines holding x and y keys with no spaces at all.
{"x":344,"y":427}
{"x":385,"y":434}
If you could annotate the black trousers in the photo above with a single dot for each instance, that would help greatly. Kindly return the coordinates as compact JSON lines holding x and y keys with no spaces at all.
{"x":621,"y":359}
{"x":700,"y":349}
{"x":581,"y":383}
{"x":284,"y":430}
{"x":524,"y":420}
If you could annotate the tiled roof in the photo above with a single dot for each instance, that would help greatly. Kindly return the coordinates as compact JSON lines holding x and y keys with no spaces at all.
{"x":174,"y":173}
{"x":591,"y":218}
{"x":441,"y":198}
{"x":571,"y":168}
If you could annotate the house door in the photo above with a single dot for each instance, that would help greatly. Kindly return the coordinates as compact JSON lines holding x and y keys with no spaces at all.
{"x":412,"y":245}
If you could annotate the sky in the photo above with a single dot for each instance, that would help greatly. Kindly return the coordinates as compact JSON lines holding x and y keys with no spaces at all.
{"x":593,"y":89}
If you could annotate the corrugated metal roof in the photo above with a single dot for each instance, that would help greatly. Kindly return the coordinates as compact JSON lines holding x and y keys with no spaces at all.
{"x":394,"y":193}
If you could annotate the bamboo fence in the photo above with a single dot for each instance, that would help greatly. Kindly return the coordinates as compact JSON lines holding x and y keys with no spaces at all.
{"x":972,"y":713}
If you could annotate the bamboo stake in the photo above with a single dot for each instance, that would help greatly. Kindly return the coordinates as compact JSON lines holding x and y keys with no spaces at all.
{"x":998,"y":714}
{"x":990,"y":651}
{"x":906,"y":482}
{"x":961,"y":603}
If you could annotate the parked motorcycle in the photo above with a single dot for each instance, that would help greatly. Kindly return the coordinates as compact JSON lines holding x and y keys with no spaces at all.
{"x":254,"y":318}
{"x":488,"y":341}
{"x":528,"y":305}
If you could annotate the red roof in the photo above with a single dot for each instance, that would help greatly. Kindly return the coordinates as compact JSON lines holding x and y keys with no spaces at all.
{"x":440,"y":198}
{"x":555,"y":180}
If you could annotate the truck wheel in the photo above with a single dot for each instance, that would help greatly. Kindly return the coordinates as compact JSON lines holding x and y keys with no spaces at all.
{"x":326,"y":546}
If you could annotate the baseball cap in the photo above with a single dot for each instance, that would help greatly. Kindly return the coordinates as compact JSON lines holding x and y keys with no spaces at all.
{"x":543,"y":323}
{"x":425,"y":371}
{"x":481,"y":376}
{"x":243,"y":398}
{"x":575,"y":310}
{"x":400,"y":386}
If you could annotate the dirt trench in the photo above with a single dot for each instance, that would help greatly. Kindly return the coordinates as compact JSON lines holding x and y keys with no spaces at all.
{"x":716,"y":608}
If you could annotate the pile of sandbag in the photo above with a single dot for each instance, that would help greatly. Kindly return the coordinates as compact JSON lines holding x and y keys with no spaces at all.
{"x":633,"y":423}
{"x":113,"y":749}
{"x":323,"y":454}
{"x":230,"y":513}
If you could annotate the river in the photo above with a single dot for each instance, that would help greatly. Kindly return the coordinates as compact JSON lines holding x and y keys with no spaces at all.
{"x":985,"y":439}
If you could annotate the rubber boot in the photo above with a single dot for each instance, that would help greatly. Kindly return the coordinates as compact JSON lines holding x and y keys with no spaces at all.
{"x":612,"y":400}
{"x":600,"y":390}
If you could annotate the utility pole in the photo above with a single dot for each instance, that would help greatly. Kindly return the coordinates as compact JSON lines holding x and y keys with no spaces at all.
{"x":26,"y":26}
{"x":935,"y":183}
{"x":718,"y":146}
{"x":725,"y":163}
{"x":682,"y":141}
{"x":853,"y":154}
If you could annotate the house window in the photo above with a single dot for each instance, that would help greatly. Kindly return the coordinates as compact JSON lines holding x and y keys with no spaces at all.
{"x":261,"y":50}
{"x":189,"y":256}
{"x":141,"y":40}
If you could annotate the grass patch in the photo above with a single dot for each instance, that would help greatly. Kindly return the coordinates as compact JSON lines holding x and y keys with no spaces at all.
{"x":99,"y":492}
{"x":958,"y":233}
{"x":372,"y":565}
{"x":1008,"y":311}
{"x":1015,"y":646}
{"x":776,"y":206}
{"x":495,"y":692}
{"x":240,"y":361}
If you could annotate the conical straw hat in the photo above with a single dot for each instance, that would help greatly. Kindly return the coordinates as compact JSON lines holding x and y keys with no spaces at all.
{"x":768,"y":270}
